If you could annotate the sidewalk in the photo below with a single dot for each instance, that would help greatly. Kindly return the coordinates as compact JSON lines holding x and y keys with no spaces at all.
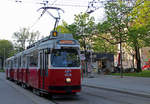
{"x":131,"y":85}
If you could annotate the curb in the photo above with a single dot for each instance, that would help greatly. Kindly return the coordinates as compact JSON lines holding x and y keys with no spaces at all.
{"x":119,"y":91}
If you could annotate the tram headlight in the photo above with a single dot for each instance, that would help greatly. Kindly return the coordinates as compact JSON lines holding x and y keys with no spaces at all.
{"x":68,"y":80}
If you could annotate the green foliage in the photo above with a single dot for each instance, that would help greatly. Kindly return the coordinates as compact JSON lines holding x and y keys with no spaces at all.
{"x":6,"y":49}
{"x":82,"y":28}
{"x":141,"y":13}
{"x":136,"y":35}
{"x":114,"y":30}
{"x":140,"y":27}
{"x":101,"y":45}
{"x":139,"y":31}
{"x":1,"y":70}
{"x":145,"y":73}
{"x":74,"y":31}
{"x":117,"y":21}
{"x":84,"y":23}
{"x":63,"y":28}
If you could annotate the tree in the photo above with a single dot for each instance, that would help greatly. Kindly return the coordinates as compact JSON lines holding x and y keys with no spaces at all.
{"x":136,"y":41}
{"x":6,"y":50}
{"x":33,"y":37}
{"x":82,"y":29}
{"x":126,"y":24}
{"x":24,"y":37}
{"x":63,"y":28}
{"x":140,"y":27}
{"x":103,"y":46}
{"x":116,"y":25}
{"x":141,"y":13}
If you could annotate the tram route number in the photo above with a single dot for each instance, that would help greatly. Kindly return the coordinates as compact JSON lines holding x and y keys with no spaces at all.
{"x":68,"y":73}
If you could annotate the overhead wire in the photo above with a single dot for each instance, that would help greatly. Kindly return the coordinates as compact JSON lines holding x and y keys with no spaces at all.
{"x":45,"y":8}
{"x":71,"y":5}
{"x":45,"y":4}
{"x":52,"y":4}
{"x":55,"y":5}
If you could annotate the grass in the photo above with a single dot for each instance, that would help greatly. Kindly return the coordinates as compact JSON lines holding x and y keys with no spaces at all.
{"x":145,"y":73}
{"x":1,"y":70}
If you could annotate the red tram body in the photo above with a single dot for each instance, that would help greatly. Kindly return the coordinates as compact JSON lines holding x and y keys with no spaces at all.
{"x":51,"y":65}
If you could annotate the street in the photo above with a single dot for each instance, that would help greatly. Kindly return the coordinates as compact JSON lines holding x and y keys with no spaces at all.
{"x":10,"y":93}
{"x":97,"y":96}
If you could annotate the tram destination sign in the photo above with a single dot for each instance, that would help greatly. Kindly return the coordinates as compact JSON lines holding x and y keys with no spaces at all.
{"x":66,"y":42}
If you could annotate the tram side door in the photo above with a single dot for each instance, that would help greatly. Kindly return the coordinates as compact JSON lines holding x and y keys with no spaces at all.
{"x":43,"y":69}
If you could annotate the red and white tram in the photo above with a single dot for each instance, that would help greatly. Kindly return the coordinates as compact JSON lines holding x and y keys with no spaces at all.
{"x":51,"y":65}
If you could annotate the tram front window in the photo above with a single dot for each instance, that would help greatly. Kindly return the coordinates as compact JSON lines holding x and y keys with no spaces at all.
{"x":65,"y":58}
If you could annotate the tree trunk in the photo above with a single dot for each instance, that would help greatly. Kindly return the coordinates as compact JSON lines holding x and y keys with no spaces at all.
{"x":138,"y":59}
{"x":2,"y":61}
{"x":133,"y":61}
{"x":121,"y":65}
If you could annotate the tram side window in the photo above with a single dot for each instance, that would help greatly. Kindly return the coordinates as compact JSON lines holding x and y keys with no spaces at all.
{"x":24,"y":61}
{"x":33,"y":59}
{"x":11,"y":66}
{"x":8,"y":64}
{"x":19,"y":59}
{"x":15,"y":62}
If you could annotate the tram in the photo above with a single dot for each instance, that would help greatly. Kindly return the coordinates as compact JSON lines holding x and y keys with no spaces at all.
{"x":50,"y":65}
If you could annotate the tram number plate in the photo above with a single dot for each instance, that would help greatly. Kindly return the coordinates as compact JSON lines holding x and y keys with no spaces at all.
{"x":68,"y":73}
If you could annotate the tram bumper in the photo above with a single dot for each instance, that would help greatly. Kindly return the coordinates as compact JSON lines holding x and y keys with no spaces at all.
{"x":65,"y":89}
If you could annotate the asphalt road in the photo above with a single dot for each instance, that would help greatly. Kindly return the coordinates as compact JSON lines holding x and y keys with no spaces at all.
{"x":98,"y":96}
{"x":11,"y":93}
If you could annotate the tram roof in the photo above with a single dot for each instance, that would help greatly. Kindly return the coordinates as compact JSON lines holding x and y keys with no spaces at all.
{"x":10,"y":58}
{"x":52,"y":42}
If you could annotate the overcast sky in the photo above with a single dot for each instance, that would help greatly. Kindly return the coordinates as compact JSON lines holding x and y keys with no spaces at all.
{"x":14,"y":16}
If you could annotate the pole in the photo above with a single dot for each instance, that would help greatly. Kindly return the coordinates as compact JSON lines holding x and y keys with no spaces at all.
{"x":85,"y":52}
{"x":4,"y":59}
{"x":121,"y":67}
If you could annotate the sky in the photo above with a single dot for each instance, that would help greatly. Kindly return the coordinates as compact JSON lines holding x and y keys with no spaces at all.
{"x":14,"y":16}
